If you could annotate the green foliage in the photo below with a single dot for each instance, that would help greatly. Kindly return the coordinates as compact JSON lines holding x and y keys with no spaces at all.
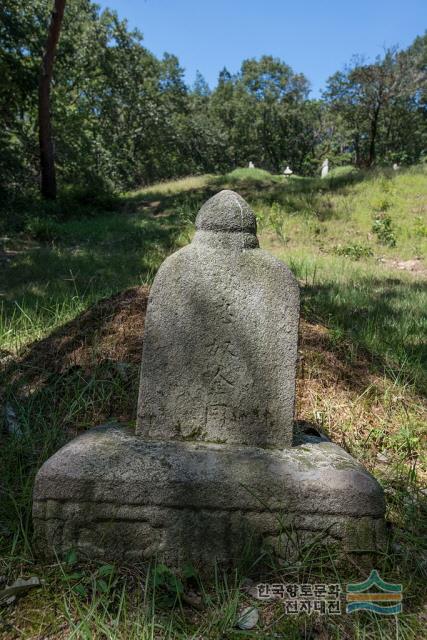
{"x":379,"y":109}
{"x":354,"y":251}
{"x":251,"y":175}
{"x":384,"y":229}
{"x":380,"y":203}
{"x":168,"y":587}
{"x":84,"y":582}
{"x":276,"y":221}
{"x":420,"y":227}
{"x":123,"y":118}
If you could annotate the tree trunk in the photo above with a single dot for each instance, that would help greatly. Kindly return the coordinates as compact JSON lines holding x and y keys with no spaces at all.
{"x":47,"y":158}
{"x":373,"y":136}
{"x":357,"y":149}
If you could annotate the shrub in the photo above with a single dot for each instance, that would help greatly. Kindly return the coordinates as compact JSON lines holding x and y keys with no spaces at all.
{"x":383,"y":228}
{"x":353,"y":251}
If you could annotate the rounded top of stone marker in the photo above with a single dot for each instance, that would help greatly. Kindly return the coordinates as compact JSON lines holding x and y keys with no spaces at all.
{"x":226,"y":211}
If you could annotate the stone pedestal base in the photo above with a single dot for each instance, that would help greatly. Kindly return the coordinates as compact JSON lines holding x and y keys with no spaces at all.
{"x":111,"y":495}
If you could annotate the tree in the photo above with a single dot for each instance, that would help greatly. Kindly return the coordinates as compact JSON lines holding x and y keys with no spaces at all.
{"x":373,"y":100}
{"x":263,"y":113}
{"x":121,"y":117}
{"x":47,"y":158}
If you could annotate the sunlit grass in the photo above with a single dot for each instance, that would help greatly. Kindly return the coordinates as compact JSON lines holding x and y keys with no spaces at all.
{"x":173,"y":186}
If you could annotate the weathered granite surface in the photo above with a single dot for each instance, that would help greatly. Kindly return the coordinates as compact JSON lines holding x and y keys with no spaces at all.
{"x":111,"y":495}
{"x":211,"y":471}
{"x":220,"y":337}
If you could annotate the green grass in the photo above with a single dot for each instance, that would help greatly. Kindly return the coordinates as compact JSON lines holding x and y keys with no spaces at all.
{"x":253,"y":176}
{"x":101,"y":601}
{"x":363,"y":380}
{"x":307,"y":222}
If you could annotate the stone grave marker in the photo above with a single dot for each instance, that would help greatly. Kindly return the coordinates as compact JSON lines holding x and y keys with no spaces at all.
{"x":215,"y":466}
{"x":220,"y":341}
{"x":325,"y":168}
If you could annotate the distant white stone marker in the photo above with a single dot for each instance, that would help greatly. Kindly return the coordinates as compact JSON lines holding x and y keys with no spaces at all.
{"x":396,"y":167}
{"x":287,"y":172}
{"x":325,"y":168}
{"x":251,"y":165}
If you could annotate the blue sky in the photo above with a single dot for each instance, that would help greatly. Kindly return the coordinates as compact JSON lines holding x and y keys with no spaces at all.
{"x":316,"y":38}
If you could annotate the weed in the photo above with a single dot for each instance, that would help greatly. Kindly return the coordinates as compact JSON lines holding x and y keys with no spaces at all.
{"x":420,"y":227}
{"x":384,"y":229}
{"x":380,"y":204}
{"x":276,"y":221}
{"x":354,"y":251}
{"x":83,"y":582}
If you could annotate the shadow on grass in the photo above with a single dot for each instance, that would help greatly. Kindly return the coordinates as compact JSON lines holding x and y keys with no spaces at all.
{"x":368,"y":330}
{"x":263,"y":191}
{"x":96,"y":257}
{"x":93,"y":257}
{"x":84,"y":373}
{"x":384,"y":318}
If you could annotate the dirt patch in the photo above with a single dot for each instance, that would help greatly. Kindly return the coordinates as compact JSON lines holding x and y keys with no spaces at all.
{"x":332,"y":380}
{"x":335,"y":364}
{"x":415,"y":266}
